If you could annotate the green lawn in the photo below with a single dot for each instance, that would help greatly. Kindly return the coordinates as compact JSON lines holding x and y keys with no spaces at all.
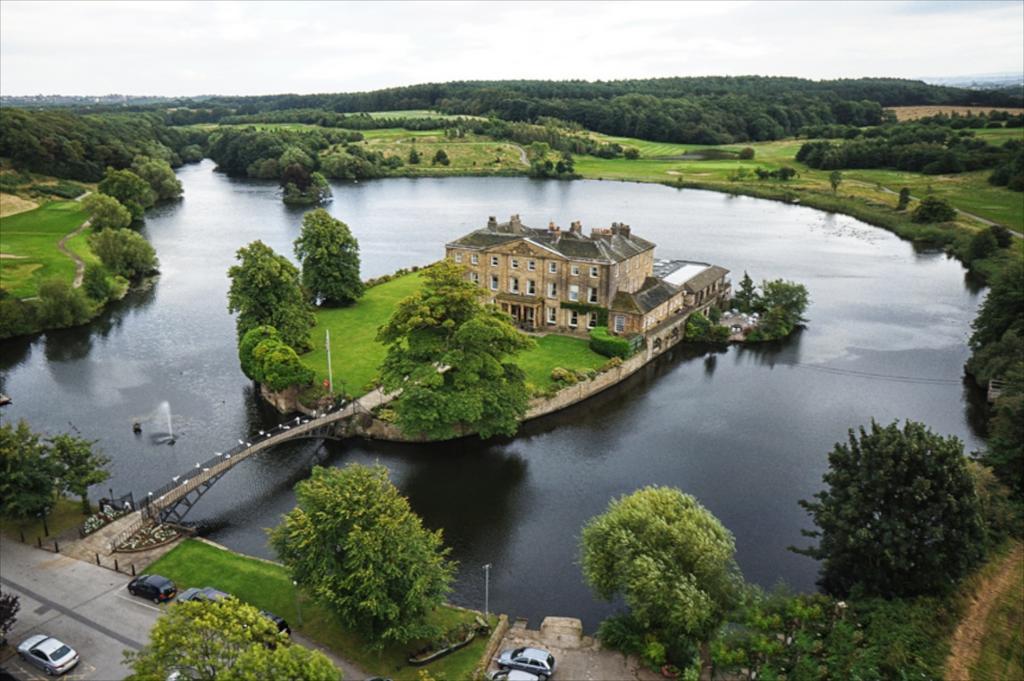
{"x":354,"y":352}
{"x":412,"y":113}
{"x":471,"y":154}
{"x":268,"y":586}
{"x":356,"y":355}
{"x":32,"y":236}
{"x":557,"y":351}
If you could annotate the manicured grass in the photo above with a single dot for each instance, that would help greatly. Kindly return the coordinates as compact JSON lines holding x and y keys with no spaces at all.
{"x":268,"y":586}
{"x":557,"y":351}
{"x":355,"y":353}
{"x":412,"y":113}
{"x":33,"y":236}
{"x":66,"y":514}
{"x":1002,"y":646}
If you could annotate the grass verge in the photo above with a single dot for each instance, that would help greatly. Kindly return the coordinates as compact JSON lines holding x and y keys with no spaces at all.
{"x":268,"y":586}
{"x":557,"y":351}
{"x":1001,"y":655}
{"x":65,"y":515}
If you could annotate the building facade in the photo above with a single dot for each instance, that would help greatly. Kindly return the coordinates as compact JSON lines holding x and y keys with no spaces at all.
{"x":567,"y":282}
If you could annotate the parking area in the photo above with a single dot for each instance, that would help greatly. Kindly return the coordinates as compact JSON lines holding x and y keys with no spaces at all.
{"x":577,"y":657}
{"x":85,"y":606}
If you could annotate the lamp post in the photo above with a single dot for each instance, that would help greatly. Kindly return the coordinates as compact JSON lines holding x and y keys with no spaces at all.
{"x":298,"y":603}
{"x":487,"y":591}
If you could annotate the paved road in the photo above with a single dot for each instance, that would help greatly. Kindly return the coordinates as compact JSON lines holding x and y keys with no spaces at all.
{"x":83,"y":605}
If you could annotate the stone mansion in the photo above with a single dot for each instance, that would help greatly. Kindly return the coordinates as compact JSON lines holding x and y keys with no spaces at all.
{"x":564,"y":281}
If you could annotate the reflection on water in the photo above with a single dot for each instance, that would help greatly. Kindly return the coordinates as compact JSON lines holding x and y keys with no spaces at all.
{"x":745,"y":430}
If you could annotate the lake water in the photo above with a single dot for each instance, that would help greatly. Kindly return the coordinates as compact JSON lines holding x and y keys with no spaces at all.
{"x":746,"y":431}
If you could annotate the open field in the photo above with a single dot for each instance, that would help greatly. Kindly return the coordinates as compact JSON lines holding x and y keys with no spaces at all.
{"x":968,"y":191}
{"x":999,"y":136}
{"x":269,"y":587}
{"x":911,"y":113}
{"x":31,"y":238}
{"x":413,"y":113}
{"x":467,"y":155}
{"x":356,"y":354}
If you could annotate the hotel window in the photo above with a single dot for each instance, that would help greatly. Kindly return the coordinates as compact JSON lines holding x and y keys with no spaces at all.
{"x":513,"y":285}
{"x":620,"y":323}
{"x":458,"y":257}
{"x":552,"y":290}
{"x":575,"y":270}
{"x":553,"y":267}
{"x":494,"y":261}
{"x":494,"y":282}
{"x":591,"y":321}
{"x":574,"y":292}
{"x":474,"y":277}
{"x":475,"y":259}
{"x":552,"y":315}
{"x":591,"y":294}
{"x":593,"y":271}
{"x":574,"y":318}
{"x":531,"y":287}
{"x":515,"y":263}
{"x":531,"y":265}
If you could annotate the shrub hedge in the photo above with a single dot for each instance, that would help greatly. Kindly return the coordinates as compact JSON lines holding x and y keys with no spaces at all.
{"x":604,"y":343}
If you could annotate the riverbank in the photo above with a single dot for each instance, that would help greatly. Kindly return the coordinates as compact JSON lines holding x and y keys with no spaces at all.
{"x":267,"y":585}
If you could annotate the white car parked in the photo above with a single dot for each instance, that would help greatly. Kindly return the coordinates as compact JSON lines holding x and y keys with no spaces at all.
{"x":49,"y":654}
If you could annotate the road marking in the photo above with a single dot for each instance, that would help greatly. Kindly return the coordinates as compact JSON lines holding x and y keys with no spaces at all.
{"x":110,"y":633}
{"x":134,"y":601}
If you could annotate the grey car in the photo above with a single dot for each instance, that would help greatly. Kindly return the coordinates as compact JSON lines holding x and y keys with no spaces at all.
{"x":49,"y":654}
{"x":532,"y":660}
{"x":207,"y":593}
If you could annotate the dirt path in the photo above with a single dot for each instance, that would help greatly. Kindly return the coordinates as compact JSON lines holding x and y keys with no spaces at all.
{"x":79,"y":264}
{"x":522,"y":155}
{"x":966,"y":642}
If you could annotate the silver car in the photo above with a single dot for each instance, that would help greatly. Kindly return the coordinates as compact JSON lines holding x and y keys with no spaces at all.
{"x":49,"y":654}
{"x":531,"y":660}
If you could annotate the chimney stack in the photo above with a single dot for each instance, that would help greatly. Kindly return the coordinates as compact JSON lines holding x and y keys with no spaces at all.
{"x":620,"y":228}
{"x":576,"y":228}
{"x":552,"y":227}
{"x":514,"y":221}
{"x":492,"y":222}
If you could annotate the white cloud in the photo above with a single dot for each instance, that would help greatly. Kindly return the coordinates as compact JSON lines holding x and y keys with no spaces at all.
{"x":261,"y":47}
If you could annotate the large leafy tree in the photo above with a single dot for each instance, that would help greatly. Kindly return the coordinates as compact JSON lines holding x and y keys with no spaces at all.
{"x":26,"y":474}
{"x":129,"y":189}
{"x":124,"y":252}
{"x":354,"y":544}
{"x":9,"y":606}
{"x":265,"y":291}
{"x":899,"y":515}
{"x":77,"y":466}
{"x":278,"y":365}
{"x":220,"y":641}
{"x":449,"y":355}
{"x":330,"y":259}
{"x":669,"y":559}
{"x":160,"y":177}
{"x":106,"y":212}
{"x":252,"y":338}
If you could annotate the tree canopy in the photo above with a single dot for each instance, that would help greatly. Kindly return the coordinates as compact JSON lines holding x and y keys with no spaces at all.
{"x":106,"y":212}
{"x":77,"y":466}
{"x":224,"y":640}
{"x":329,"y":255}
{"x":129,"y":189}
{"x":26,"y":474}
{"x":160,"y":177}
{"x":449,"y":355}
{"x":668,"y":557}
{"x":124,"y":252}
{"x":899,"y":515}
{"x":354,"y":544}
{"x":266,"y":291}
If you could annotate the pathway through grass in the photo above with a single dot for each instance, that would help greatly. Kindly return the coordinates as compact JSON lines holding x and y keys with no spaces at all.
{"x":32,"y":237}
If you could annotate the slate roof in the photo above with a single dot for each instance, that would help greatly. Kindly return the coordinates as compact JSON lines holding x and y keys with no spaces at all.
{"x":653,"y":293}
{"x":609,"y":248}
{"x":705,"y":279}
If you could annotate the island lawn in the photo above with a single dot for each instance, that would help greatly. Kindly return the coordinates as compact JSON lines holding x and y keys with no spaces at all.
{"x":356,"y":354}
{"x":29,"y":243}
{"x":268,"y":586}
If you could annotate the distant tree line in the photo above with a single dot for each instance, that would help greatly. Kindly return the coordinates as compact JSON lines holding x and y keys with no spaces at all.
{"x":63,"y":144}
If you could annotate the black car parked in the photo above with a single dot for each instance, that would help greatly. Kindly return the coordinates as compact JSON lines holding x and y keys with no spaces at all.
{"x":154,"y":587}
{"x":278,"y":620}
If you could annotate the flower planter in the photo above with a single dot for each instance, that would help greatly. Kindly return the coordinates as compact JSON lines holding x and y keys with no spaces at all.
{"x":149,"y":538}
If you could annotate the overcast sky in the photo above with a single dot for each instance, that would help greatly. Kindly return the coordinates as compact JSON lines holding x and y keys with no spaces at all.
{"x":185,"y":48}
